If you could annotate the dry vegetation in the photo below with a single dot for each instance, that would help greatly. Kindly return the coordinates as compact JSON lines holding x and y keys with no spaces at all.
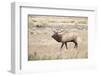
{"x":41,"y":46}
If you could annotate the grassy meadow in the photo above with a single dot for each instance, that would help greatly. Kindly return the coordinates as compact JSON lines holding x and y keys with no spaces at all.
{"x":41,"y":45}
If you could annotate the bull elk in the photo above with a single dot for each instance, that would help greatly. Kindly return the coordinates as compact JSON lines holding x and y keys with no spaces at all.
{"x":65,"y":37}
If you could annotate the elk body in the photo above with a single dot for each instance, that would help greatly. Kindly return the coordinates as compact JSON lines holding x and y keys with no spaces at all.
{"x":65,"y":37}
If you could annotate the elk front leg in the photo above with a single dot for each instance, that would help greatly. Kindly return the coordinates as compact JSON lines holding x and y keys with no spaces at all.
{"x":62,"y":45}
{"x":66,"y":45}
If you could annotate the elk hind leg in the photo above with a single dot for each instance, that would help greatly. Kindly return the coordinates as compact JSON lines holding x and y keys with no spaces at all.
{"x":76,"y":44}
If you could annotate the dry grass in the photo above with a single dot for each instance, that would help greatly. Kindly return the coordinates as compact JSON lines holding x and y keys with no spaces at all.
{"x":41,"y":46}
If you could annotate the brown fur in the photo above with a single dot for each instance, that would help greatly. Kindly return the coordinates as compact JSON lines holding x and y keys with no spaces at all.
{"x":65,"y":37}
